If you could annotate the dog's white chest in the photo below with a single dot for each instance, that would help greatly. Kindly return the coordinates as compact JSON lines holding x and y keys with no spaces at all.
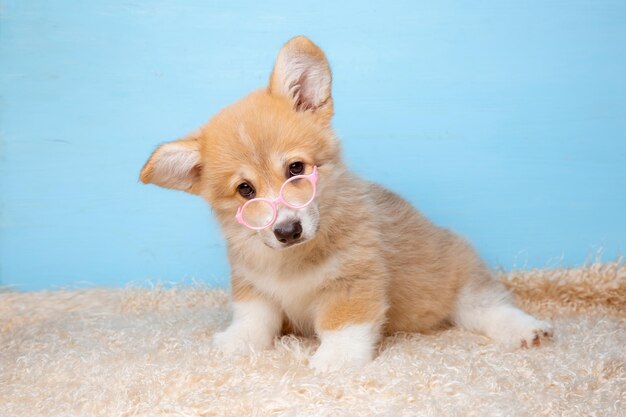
{"x":297,"y":292}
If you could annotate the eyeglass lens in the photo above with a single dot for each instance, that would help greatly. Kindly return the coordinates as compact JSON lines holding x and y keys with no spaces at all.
{"x":297,"y":193}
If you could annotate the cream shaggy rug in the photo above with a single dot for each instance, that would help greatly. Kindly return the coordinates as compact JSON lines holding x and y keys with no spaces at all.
{"x":146,"y":352}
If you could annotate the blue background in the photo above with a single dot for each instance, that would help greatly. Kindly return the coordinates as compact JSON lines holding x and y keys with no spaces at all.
{"x":504,"y":121}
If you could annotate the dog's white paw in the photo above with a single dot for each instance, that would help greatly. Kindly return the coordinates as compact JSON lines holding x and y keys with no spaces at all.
{"x":536,"y":335}
{"x":525,"y":331}
{"x":229,"y":342}
{"x":501,"y":321}
{"x":349,"y":347}
{"x":254,"y":325}
{"x":237,"y":341}
{"x":332,"y":358}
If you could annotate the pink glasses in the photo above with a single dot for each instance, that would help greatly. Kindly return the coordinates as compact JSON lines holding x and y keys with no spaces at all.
{"x":297,"y":192}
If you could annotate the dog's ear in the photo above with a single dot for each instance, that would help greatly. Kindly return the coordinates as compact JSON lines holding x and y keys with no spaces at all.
{"x":302,"y":74}
{"x":175,"y":165}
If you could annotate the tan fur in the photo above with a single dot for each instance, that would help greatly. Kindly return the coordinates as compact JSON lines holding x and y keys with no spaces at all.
{"x":374,"y":258}
{"x":242,"y":290}
{"x":341,"y":306}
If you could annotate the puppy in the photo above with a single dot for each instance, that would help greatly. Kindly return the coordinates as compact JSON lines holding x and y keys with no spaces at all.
{"x":313,"y":248}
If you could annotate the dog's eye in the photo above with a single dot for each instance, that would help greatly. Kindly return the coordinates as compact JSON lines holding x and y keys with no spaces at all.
{"x":245,"y":190}
{"x":296,"y":168}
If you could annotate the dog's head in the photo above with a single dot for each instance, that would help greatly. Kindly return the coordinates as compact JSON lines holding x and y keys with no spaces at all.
{"x":250,"y":148}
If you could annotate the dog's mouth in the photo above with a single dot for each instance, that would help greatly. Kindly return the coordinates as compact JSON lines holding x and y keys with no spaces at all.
{"x":276,"y":244}
{"x":285,"y":245}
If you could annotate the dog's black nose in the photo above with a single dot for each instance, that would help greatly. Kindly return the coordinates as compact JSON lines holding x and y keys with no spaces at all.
{"x":288,"y":232}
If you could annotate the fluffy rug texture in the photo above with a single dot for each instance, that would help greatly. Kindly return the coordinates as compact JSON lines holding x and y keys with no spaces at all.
{"x":147,"y":352}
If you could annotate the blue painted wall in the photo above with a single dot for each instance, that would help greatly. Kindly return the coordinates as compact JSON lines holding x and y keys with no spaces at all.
{"x":504,"y":121}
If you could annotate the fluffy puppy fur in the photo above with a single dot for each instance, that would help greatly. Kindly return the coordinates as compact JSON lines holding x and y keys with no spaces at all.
{"x":366,"y":262}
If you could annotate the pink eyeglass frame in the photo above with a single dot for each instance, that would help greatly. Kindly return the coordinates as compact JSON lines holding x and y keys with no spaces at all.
{"x":312,"y":178}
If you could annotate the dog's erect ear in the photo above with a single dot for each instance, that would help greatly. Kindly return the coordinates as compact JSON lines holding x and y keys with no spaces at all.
{"x":175,"y":165}
{"x":302,"y":74}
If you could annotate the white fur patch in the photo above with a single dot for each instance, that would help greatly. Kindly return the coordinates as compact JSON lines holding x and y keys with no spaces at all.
{"x":307,"y":216}
{"x":254,"y":326}
{"x":492,"y":314}
{"x":293,"y":291}
{"x":349,"y":347}
{"x":245,"y":139}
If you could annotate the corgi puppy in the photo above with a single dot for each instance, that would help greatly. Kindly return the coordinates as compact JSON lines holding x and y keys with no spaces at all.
{"x":314,"y":249}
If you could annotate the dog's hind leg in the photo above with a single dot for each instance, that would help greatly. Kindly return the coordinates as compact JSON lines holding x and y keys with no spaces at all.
{"x":485,"y":306}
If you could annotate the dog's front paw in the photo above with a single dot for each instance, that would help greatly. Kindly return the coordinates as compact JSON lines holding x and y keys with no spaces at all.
{"x":228,"y":342}
{"x":234,"y":340}
{"x":333,"y":358}
{"x":349,"y":347}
